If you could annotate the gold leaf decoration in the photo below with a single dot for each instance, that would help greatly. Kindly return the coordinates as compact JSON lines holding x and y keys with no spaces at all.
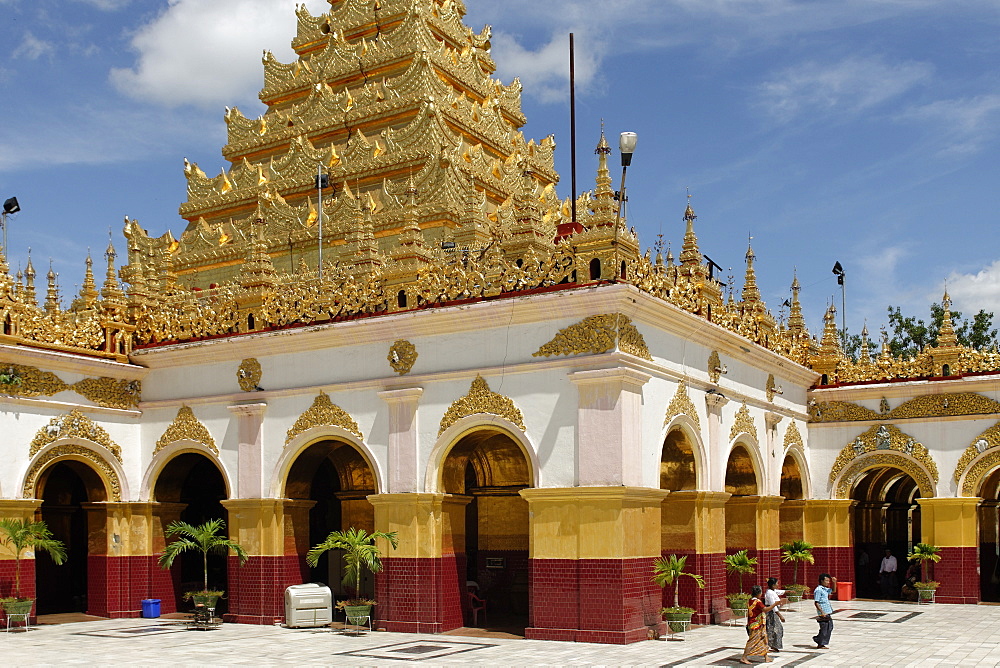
{"x":883,"y":437}
{"x":771,"y":388}
{"x":714,"y":367}
{"x":249,"y":374}
{"x":34,"y":382}
{"x":743,"y":425}
{"x":986,"y":441}
{"x":71,"y":451}
{"x":186,"y":427}
{"x":481,"y":399}
{"x":681,"y":404}
{"x":793,"y":439}
{"x":927,"y":406}
{"x":323,"y":412}
{"x":73,"y":425}
{"x":597,"y":334}
{"x":888,"y":458}
{"x":109,"y":392}
{"x":978,"y":471}
{"x":402,"y":355}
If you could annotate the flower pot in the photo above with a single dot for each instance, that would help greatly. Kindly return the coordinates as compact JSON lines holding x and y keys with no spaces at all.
{"x":678,"y":622}
{"x":356,"y":614}
{"x":207,"y":600}
{"x":926,"y":595}
{"x":21,"y":607}
{"x":793,"y":598}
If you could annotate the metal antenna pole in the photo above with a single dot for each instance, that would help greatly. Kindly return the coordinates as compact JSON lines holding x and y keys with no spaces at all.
{"x":319,"y":202}
{"x":572,"y":124}
{"x":843,"y":309}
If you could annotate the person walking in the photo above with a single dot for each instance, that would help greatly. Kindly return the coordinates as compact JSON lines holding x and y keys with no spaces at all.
{"x":824,"y":610}
{"x":756,"y":627}
{"x":887,"y":575}
{"x":775,"y":628}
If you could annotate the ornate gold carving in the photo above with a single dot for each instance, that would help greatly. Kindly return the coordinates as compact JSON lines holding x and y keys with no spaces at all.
{"x":793,"y":438}
{"x":402,"y":355}
{"x":715,"y":368}
{"x":893,"y":459}
{"x":743,"y":424}
{"x":34,"y":382}
{"x":771,"y":388}
{"x":883,"y":437}
{"x":926,"y":406}
{"x":248,"y":375}
{"x":109,"y":392}
{"x":978,"y":471}
{"x":75,"y":452}
{"x":988,"y":440}
{"x":323,"y":412}
{"x":681,"y":404}
{"x":186,"y":427}
{"x":597,"y":334}
{"x":481,"y":399}
{"x":73,"y":425}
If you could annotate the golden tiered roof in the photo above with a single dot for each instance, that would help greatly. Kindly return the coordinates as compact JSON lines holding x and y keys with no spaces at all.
{"x":434,"y":196}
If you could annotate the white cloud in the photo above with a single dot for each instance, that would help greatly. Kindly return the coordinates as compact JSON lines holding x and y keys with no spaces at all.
{"x":545,"y":71}
{"x":963,"y":125}
{"x":852,"y":85}
{"x":207,"y":53}
{"x":106,"y":5}
{"x":32,"y":48}
{"x":971,"y":292}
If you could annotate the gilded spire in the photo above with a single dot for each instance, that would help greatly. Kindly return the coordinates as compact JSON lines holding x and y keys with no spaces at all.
{"x":946,"y":334}
{"x":751,"y":295}
{"x":864,"y":357}
{"x":88,"y":291}
{"x":796,"y":323}
{"x":29,"y":282}
{"x":52,"y":292}
{"x":258,"y":271}
{"x":111,"y":292}
{"x":604,"y":209}
{"x":690,"y":255}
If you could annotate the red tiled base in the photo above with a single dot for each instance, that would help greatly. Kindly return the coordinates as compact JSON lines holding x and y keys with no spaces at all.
{"x":117,"y":585}
{"x":257,"y":588}
{"x":7,"y":575}
{"x":837,"y":561}
{"x":958,"y":573}
{"x":710,"y":567}
{"x":598,"y":600}
{"x":421,"y":595}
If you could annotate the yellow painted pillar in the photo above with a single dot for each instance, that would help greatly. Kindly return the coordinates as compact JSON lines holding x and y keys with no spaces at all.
{"x":829,"y":525}
{"x":952,"y":524}
{"x":791,"y":516}
{"x":592,"y":550}
{"x":694,"y":525}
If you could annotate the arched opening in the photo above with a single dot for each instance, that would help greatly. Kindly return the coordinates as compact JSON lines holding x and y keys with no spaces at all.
{"x":989,"y":538}
{"x":337,"y":479}
{"x":66,"y":489}
{"x":191,"y":488}
{"x":741,"y":511}
{"x":678,"y":511}
{"x":790,"y":517}
{"x":595,"y":269}
{"x":886,"y":517}
{"x":489,"y":468}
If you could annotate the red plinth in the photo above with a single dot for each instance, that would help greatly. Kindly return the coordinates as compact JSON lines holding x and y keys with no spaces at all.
{"x":257,"y":588}
{"x":421,"y":595}
{"x":958,"y":574}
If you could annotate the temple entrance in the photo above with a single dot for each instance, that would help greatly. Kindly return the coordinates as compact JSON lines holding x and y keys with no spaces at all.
{"x":191,"y":488}
{"x":65,"y":488}
{"x":741,"y":513}
{"x":489,"y":468}
{"x":989,"y":538}
{"x":790,"y":518}
{"x":886,"y":516}
{"x":336,"y":476}
{"x":678,"y":516}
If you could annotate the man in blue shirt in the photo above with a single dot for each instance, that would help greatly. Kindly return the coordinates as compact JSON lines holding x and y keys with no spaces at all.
{"x":824,"y":611}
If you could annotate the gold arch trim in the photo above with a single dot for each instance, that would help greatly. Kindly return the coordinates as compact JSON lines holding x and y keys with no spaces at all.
{"x":77,"y":452}
{"x":597,"y":334}
{"x":927,"y":406}
{"x":897,"y":460}
{"x":681,"y":404}
{"x":186,"y":427}
{"x":323,"y":412}
{"x":884,"y":438}
{"x":986,"y":443}
{"x":744,"y":425}
{"x":73,"y":425}
{"x":481,"y":399}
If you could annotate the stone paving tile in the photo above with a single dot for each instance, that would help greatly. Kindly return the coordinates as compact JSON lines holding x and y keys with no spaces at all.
{"x":938,"y":635}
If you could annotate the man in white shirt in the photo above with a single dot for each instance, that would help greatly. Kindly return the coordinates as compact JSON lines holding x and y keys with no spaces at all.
{"x":887,"y":576}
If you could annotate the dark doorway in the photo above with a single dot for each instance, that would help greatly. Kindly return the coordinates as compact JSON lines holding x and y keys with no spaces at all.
{"x":887,"y":516}
{"x":989,"y":538}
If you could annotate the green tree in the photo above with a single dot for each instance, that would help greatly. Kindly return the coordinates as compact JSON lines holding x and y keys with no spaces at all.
{"x":742,"y":564}
{"x":203,"y":538}
{"x":926,"y":554}
{"x":796,"y":551}
{"x":668,"y":571}
{"x":909,"y":335}
{"x":359,"y":550}
{"x":24,"y":534}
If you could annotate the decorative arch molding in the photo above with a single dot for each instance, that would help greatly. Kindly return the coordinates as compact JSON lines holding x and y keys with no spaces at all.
{"x":322,"y":432}
{"x":925,"y":406}
{"x":481,"y":399}
{"x":108,"y":470}
{"x":168,"y":452}
{"x":844,"y":483}
{"x":73,"y":425}
{"x":323,"y":412}
{"x":464,"y":427}
{"x":186,"y":427}
{"x":743,"y":424}
{"x":887,"y":438}
{"x":793,"y":438}
{"x":978,"y":460}
{"x":691,"y":428}
{"x":681,"y":404}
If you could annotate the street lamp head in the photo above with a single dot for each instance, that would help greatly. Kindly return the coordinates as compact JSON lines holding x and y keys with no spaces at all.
{"x":626,"y":144}
{"x":11,"y":206}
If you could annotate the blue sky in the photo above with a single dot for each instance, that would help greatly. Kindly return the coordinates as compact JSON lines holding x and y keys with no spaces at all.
{"x":865,"y":132}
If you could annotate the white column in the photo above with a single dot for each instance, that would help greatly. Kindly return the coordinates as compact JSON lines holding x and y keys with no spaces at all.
{"x":718,"y":450}
{"x":609,"y":427}
{"x":249,"y":475}
{"x":404,"y":462}
{"x":773,"y":455}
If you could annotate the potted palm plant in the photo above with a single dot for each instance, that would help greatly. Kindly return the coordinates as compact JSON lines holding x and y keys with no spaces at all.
{"x":796,"y":551}
{"x":668,"y":571}
{"x":22,"y":535}
{"x":360,"y":551}
{"x":930,"y":555}
{"x":204,"y":538}
{"x":740,"y":563}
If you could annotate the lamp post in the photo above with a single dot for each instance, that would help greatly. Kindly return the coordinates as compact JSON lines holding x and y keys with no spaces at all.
{"x":9,"y":206}
{"x":626,"y":145}
{"x":838,"y":270}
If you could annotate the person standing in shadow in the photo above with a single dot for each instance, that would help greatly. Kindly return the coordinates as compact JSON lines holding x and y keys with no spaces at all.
{"x":887,"y":576}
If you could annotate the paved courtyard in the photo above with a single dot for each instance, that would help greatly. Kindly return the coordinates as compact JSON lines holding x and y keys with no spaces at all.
{"x":865,"y":634}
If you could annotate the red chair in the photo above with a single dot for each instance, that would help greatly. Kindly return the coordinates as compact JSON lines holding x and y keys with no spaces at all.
{"x":476,"y":604}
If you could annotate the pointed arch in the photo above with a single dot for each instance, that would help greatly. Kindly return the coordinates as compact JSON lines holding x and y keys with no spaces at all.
{"x":434,"y":475}
{"x":756,"y":464}
{"x":883,"y":443}
{"x":301,"y":441}
{"x":844,"y":481}
{"x":164,"y":455}
{"x":94,"y":455}
{"x":978,"y":460}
